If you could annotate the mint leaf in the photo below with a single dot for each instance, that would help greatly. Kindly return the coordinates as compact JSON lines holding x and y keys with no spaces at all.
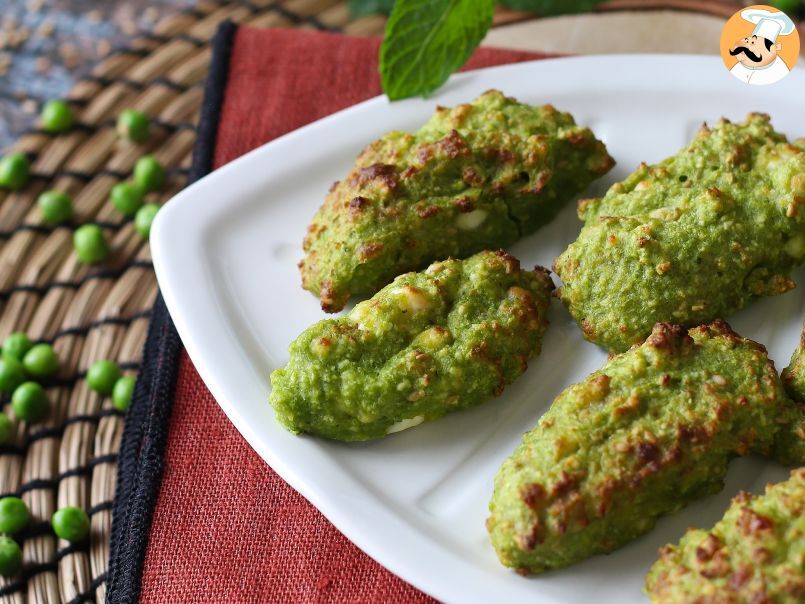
{"x":551,"y":7}
{"x":362,"y":8}
{"x":427,"y":40}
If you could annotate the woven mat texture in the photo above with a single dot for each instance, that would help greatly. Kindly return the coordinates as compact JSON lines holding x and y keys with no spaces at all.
{"x":91,"y":313}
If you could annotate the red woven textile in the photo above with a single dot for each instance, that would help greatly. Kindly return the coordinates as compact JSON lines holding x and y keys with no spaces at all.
{"x":226,"y":528}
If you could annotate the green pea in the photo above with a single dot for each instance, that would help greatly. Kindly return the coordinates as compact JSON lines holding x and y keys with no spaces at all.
{"x":70,"y":524}
{"x":149,"y":174}
{"x":16,"y":345}
{"x":29,"y":402}
{"x":122,"y":393}
{"x":90,"y":244}
{"x":133,"y":125}
{"x":41,"y":360}
{"x":10,"y":557}
{"x":15,"y":170}
{"x":14,"y":515}
{"x":6,"y":429}
{"x":56,"y":206}
{"x":127,"y":197}
{"x":12,"y":374}
{"x":145,"y":218}
{"x":56,"y":116}
{"x":102,"y":376}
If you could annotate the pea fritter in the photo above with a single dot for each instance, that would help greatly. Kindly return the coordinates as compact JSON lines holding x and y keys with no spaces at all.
{"x":648,"y":433}
{"x":755,"y":553}
{"x":691,"y":239}
{"x":447,"y":338}
{"x":790,"y":448}
{"x":474,"y":177}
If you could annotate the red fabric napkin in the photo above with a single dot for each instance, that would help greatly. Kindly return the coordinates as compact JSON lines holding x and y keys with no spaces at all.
{"x":226,"y":527}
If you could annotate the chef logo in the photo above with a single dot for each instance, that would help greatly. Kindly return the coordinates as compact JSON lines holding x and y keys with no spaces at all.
{"x":760,"y":45}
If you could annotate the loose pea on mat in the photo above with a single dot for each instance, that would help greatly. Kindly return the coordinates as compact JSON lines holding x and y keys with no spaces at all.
{"x":71,"y":524}
{"x":103,"y":375}
{"x":41,"y":360}
{"x":12,"y":374}
{"x":16,"y":345}
{"x":56,"y":206}
{"x":122,"y":393}
{"x":145,"y":218}
{"x":149,"y":174}
{"x":127,"y":197}
{"x":29,"y":402}
{"x":133,"y":125}
{"x":10,"y":557}
{"x":6,"y":429}
{"x":90,"y":244}
{"x":14,"y":515}
{"x":15,"y":170}
{"x":56,"y":116}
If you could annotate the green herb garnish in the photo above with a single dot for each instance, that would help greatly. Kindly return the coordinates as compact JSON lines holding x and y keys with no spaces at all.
{"x":427,"y":40}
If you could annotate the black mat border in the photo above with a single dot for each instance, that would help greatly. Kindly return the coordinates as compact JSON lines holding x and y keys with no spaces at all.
{"x":145,"y":434}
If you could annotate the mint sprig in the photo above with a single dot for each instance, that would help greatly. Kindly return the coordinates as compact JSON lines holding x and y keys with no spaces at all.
{"x":427,"y":40}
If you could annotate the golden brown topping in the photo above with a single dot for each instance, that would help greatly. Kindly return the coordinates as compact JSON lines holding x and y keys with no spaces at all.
{"x":565,"y":484}
{"x":357,"y":204}
{"x":708,"y":548}
{"x":739,"y":577}
{"x":386,"y":173}
{"x":750,"y":522}
{"x":511,"y":263}
{"x":668,"y":336}
{"x":534,"y":495}
{"x":454,"y":145}
{"x":326,"y":296}
{"x":370,"y":250}
{"x":427,"y":211}
{"x":540,"y":182}
{"x":647,"y":452}
{"x":471,"y":177}
{"x":663,"y":267}
{"x":465,"y":204}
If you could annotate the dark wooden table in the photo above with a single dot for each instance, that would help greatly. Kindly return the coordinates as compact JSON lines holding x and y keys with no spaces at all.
{"x":45,"y":45}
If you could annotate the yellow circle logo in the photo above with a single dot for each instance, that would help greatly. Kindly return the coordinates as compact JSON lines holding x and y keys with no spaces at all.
{"x":760,"y":45}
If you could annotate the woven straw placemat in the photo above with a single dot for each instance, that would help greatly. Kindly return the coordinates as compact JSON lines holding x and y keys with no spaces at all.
{"x":92,"y":313}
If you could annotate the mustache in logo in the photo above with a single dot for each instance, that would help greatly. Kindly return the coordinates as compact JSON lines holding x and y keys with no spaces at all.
{"x":743,"y":49}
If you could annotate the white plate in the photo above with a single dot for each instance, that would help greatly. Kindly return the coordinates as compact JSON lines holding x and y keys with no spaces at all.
{"x":226,"y":248}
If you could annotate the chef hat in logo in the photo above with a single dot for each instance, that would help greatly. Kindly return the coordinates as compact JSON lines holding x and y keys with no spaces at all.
{"x":769,"y":24}
{"x":758,"y":63}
